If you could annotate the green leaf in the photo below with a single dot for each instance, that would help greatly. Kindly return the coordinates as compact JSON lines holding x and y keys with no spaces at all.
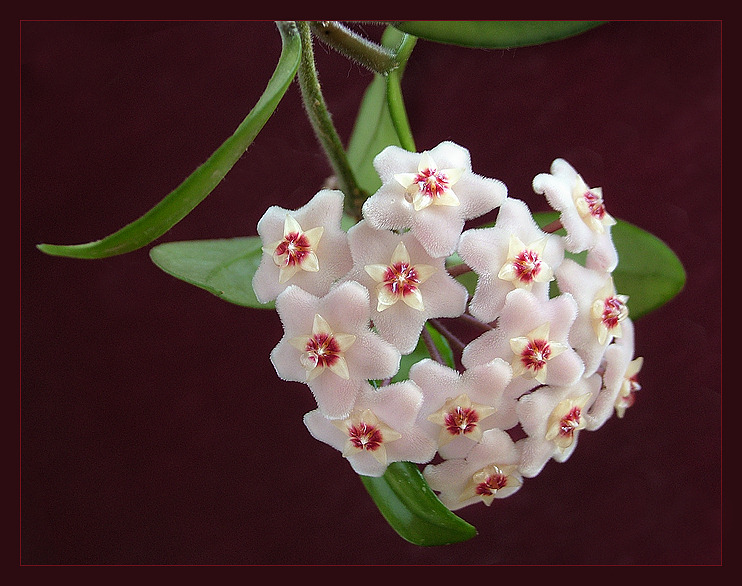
{"x":181,"y":201}
{"x":222,"y":267}
{"x":495,"y":34}
{"x":648,"y":271}
{"x":413,"y":510}
{"x":374,"y":127}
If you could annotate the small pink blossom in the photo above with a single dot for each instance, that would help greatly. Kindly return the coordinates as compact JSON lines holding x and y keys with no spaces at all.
{"x":458,"y":407}
{"x":380,"y":429}
{"x":305,"y":247}
{"x":489,"y":471}
{"x":601,"y":310}
{"x":532,"y":335}
{"x":552,"y":418}
{"x":514,"y":253}
{"x":582,"y":212}
{"x":328,"y":344}
{"x":431,"y":193}
{"x":406,"y":284}
{"x":620,"y":379}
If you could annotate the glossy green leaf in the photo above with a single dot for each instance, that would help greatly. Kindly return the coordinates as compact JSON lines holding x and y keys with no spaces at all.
{"x":181,"y":201}
{"x":412,"y":508}
{"x":495,"y":34}
{"x":374,"y":127}
{"x":648,"y":271}
{"x":222,"y":267}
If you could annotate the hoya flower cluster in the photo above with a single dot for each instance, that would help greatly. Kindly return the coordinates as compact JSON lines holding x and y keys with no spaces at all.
{"x":554,"y":350}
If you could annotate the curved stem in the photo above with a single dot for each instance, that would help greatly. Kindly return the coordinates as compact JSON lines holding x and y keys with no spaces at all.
{"x":321,"y":121}
{"x":346,"y":42}
{"x":394,"y":95}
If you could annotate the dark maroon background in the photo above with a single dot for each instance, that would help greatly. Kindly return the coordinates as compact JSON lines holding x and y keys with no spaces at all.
{"x":153,"y":427}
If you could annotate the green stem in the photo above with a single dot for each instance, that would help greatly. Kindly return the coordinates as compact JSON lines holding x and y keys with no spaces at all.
{"x":321,"y":121}
{"x":346,"y":42}
{"x":394,"y":95}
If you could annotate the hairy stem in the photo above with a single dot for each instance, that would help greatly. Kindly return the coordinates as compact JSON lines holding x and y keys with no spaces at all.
{"x":319,"y":116}
{"x":346,"y":42}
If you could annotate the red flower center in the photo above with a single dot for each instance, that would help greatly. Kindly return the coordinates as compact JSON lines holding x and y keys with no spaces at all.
{"x":461,"y":420}
{"x":535,"y":355}
{"x":527,"y":266}
{"x":432,"y":183}
{"x":323,"y":349}
{"x":613,"y":311}
{"x":492,"y":484}
{"x":570,"y":422}
{"x":595,"y":205}
{"x":365,"y":436}
{"x":295,"y":247}
{"x":401,"y":279}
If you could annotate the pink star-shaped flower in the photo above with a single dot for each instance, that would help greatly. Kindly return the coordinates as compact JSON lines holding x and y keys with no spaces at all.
{"x":583,"y":214}
{"x":380,"y":429}
{"x":601,"y":311}
{"x":552,"y":418}
{"x":306,"y":247}
{"x":489,"y":471}
{"x":431,"y":193}
{"x":532,"y":335}
{"x":458,"y":407}
{"x":328,"y":344}
{"x":406,"y":284}
{"x":514,"y":253}
{"x":620,"y":379}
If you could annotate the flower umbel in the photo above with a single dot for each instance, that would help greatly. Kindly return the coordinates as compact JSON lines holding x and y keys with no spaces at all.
{"x":495,"y":407}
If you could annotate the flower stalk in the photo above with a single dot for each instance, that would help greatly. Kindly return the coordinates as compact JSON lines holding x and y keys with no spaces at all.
{"x":374,"y":57}
{"x":321,"y":120}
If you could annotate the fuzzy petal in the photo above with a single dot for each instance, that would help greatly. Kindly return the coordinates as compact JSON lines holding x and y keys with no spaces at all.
{"x":439,"y":294}
{"x":320,"y":220}
{"x":437,"y":227}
